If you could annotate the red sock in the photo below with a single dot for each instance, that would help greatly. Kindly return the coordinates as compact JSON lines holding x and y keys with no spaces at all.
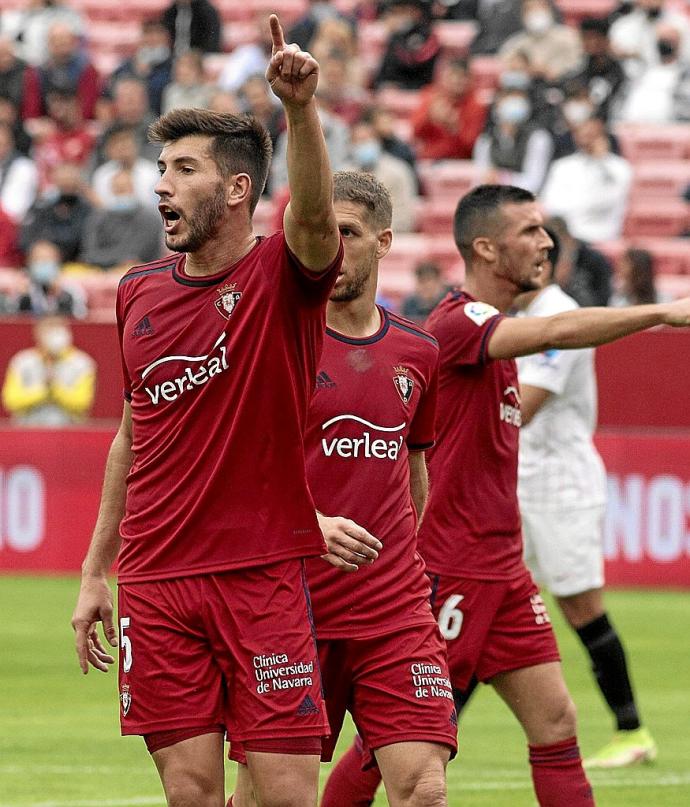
{"x":348,"y":785}
{"x":229,"y":804}
{"x":558,"y":776}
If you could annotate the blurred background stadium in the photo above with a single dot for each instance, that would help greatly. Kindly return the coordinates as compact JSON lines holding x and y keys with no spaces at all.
{"x":584,"y":102}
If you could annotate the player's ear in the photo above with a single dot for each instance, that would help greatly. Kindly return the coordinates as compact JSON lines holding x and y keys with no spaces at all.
{"x":239,"y":189}
{"x":485,"y":248}
{"x":384,"y":240}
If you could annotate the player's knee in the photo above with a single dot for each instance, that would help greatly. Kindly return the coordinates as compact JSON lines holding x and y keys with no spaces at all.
{"x":426,"y":788}
{"x":193,"y":789}
{"x":563,"y":718}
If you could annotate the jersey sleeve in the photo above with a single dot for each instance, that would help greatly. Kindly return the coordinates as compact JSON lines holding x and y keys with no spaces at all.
{"x":464,"y":337}
{"x":422,"y":434}
{"x":315,"y":287}
{"x":120,"y":316}
{"x":548,"y":370}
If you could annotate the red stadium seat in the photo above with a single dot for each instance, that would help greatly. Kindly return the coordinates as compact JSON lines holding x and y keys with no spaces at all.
{"x":109,"y":36}
{"x":657,"y":217}
{"x":264,"y":217}
{"x":448,"y":178}
{"x":401,"y":103}
{"x":661,"y":178}
{"x":673,"y":287}
{"x":435,"y":215}
{"x":671,"y":255}
{"x":653,"y":142}
{"x":12,"y":281}
{"x":239,"y":33}
{"x":575,"y":10}
{"x":455,"y":37}
{"x":485,"y":70}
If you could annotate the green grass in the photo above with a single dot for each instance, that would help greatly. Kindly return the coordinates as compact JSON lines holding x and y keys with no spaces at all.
{"x":60,"y":743}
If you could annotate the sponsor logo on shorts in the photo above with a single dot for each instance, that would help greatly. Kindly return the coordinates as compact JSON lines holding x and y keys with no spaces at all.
{"x":369,"y":445}
{"x":228,"y":299}
{"x":509,"y":411}
{"x":125,"y":699}
{"x":276,"y":672}
{"x":403,"y":383}
{"x":541,"y":615}
{"x":430,"y":681}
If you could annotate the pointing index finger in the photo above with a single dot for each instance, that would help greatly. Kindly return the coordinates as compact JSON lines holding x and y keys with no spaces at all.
{"x":276,"y":33}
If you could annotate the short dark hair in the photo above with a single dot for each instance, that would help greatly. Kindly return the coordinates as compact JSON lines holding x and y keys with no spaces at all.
{"x":595,"y":25}
{"x":119,"y":128}
{"x":366,"y":190}
{"x":475,"y":213}
{"x":427,"y":269}
{"x":240,"y":144}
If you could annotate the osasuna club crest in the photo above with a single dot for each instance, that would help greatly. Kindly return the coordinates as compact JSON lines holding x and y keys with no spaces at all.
{"x":403,"y":383}
{"x":125,"y":699}
{"x":227,"y":300}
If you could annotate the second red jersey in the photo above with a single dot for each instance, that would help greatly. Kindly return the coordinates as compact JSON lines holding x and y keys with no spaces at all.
{"x":471,"y":527}
{"x":375,"y":400}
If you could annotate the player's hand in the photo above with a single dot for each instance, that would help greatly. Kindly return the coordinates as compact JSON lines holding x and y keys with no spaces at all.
{"x":678,"y":313}
{"x":292,"y":73}
{"x":349,"y":545}
{"x":95,"y":604}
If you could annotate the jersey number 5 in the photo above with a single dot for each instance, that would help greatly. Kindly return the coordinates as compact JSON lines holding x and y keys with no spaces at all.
{"x":450,"y":617}
{"x":126,"y":645}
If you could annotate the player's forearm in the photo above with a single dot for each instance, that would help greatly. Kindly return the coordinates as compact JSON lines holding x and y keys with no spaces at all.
{"x":419,"y":483}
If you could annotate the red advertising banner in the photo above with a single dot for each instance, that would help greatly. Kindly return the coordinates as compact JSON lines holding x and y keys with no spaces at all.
{"x":50,"y":485}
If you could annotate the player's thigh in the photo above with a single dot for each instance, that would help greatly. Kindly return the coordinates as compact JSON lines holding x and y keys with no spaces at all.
{"x":192,"y":771}
{"x":288,"y":780}
{"x":414,"y":773}
{"x":260,"y":628}
{"x":168,"y":678}
{"x":402,"y":689}
{"x":335,"y":660}
{"x":566,"y":548}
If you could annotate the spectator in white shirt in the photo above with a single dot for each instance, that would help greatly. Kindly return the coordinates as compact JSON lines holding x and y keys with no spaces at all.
{"x":590,"y":188}
{"x":18,"y":177}
{"x":122,"y":151}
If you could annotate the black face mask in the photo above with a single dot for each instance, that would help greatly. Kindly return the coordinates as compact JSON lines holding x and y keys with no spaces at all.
{"x":69,"y":198}
{"x":653,"y":13}
{"x":666,"y":48}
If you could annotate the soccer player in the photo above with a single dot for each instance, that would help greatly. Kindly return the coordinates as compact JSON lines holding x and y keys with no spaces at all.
{"x":562,"y":493}
{"x":371,"y":419}
{"x":489,"y":610}
{"x":205,"y":494}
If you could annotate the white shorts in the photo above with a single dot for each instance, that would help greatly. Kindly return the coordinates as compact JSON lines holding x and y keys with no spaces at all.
{"x":563,"y":548}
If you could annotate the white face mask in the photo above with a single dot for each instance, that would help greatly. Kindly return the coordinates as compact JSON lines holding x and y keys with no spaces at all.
{"x":56,"y":340}
{"x":576,"y":112}
{"x":537,"y":22}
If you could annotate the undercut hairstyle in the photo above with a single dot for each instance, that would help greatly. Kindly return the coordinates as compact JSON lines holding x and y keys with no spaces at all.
{"x":239,"y":143}
{"x":478,"y":213}
{"x":367,"y":191}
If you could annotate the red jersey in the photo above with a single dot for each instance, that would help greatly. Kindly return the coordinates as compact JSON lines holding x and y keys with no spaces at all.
{"x":219,"y":371}
{"x":375,"y":400}
{"x":471,"y":526}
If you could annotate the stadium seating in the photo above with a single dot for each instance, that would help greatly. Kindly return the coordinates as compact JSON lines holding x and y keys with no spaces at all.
{"x":656,"y":217}
{"x":653,"y":142}
{"x":667,"y":178}
{"x":448,"y":178}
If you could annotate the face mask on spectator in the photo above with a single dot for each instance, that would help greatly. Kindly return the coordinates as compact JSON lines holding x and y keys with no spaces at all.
{"x":122,"y":204}
{"x":537,"y":22}
{"x":153,"y":55}
{"x":666,"y":48}
{"x":513,"y":110}
{"x":514,"y":80}
{"x":653,"y":13}
{"x":44,"y":272}
{"x":576,"y":112}
{"x":367,"y":154}
{"x":56,"y":340}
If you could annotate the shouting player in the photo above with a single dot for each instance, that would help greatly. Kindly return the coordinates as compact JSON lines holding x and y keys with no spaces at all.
{"x":371,"y":419}
{"x":205,"y":494}
{"x":489,"y":610}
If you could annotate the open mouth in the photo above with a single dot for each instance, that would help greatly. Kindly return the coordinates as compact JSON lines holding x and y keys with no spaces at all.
{"x":170,"y":218}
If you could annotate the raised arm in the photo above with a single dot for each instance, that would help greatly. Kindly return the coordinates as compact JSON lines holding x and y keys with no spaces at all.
{"x":311,"y":230}
{"x":586,"y":327}
{"x":95,"y":602}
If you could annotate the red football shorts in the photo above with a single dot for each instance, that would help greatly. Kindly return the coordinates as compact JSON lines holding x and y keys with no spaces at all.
{"x":491,"y":626}
{"x":234,"y":650}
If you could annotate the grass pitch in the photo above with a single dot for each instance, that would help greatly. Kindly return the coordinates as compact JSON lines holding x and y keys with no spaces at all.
{"x":60,"y":744}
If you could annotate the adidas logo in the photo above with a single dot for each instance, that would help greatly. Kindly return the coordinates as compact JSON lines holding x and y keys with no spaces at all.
{"x":324,"y":381}
{"x":143,"y":328}
{"x":307,"y":707}
{"x":454,"y":719}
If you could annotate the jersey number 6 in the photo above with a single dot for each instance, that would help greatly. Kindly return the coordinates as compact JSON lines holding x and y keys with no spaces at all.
{"x":450,"y":617}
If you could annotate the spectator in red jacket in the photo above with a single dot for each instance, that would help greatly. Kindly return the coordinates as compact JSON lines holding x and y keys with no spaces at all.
{"x":450,"y":116}
{"x":66,"y":68}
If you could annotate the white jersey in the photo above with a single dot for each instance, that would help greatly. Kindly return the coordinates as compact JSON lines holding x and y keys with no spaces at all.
{"x":559,"y":465}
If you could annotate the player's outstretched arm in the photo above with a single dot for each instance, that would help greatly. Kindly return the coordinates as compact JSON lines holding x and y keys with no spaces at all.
{"x":95,"y":602}
{"x":309,"y":222}
{"x":349,"y":545}
{"x":585,"y":327}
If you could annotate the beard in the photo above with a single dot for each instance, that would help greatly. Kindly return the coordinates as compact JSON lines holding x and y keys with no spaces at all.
{"x":531,"y":284}
{"x":352,"y":289}
{"x":203,"y":222}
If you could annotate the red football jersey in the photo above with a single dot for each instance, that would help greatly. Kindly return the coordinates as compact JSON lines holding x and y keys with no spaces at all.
{"x":220,"y":371}
{"x":471,"y":527}
{"x":375,"y":400}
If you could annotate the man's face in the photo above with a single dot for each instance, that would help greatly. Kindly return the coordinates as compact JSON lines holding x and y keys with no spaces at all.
{"x":62,"y":43}
{"x":193,"y":195}
{"x":522,"y":245}
{"x":131,"y":102}
{"x":594,"y":43}
{"x":360,"y":244}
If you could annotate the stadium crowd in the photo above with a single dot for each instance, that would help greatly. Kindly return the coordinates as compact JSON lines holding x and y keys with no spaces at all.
{"x":585,"y":104}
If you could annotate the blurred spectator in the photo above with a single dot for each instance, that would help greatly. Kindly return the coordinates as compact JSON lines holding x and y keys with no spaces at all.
{"x":59,"y":216}
{"x":123,"y":232}
{"x":634,"y":37}
{"x":47,"y":292}
{"x":634,"y":280}
{"x":9,"y":114}
{"x":581,"y":271}
{"x":343,"y":98}
{"x":304,"y":30}
{"x":662,"y":93}
{"x":151,"y":62}
{"x":122,"y":150}
{"x":384,"y":123}
{"x":193,"y":24}
{"x":18,"y":177}
{"x":10,"y":254}
{"x":189,"y":88}
{"x":51,"y":384}
{"x":249,"y":59}
{"x":412,"y":48}
{"x":590,"y":188}
{"x":336,"y":36}
{"x":577,"y":107}
{"x":131,"y":107}
{"x":517,"y":75}
{"x":258,"y":100}
{"x":65,"y":68}
{"x":12,"y":72}
{"x":29,"y":27}
{"x":600,"y":71}
{"x":430,"y":289}
{"x":225,"y":101}
{"x":514,"y":149}
{"x":498,"y":20}
{"x":65,"y":138}
{"x":450,"y":116}
{"x":553,"y":49}
{"x":367,"y":154}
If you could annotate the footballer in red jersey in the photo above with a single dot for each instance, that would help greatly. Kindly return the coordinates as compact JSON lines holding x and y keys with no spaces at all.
{"x":371,"y":418}
{"x":205,"y":494}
